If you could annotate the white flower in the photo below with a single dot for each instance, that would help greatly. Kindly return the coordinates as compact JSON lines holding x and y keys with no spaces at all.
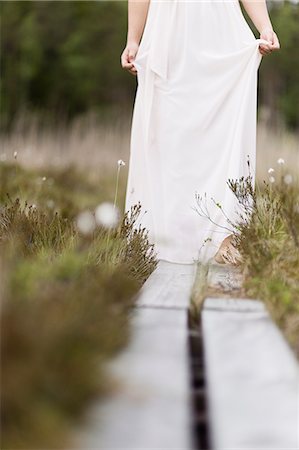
{"x":120,"y":162}
{"x":280,"y":161}
{"x":44,"y":178}
{"x":85,"y":222}
{"x":288,"y":179}
{"x":107,"y":215}
{"x":270,"y":170}
{"x":272,"y":179}
{"x":50,"y":204}
{"x":3,"y":157}
{"x":15,"y":155}
{"x":33,"y":206}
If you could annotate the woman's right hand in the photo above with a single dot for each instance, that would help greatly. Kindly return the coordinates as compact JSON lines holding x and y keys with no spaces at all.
{"x":128,"y":56}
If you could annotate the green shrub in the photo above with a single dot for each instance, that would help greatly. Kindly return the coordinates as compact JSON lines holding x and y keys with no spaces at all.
{"x":267,"y":237}
{"x":66,"y":303}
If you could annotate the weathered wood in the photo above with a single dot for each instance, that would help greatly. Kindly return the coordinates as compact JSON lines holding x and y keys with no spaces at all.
{"x":252,"y":377}
{"x":151,"y":408}
{"x":225,"y":277}
{"x":169,"y":286}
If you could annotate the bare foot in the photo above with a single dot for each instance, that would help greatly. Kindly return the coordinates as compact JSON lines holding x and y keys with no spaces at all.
{"x":228,"y":253}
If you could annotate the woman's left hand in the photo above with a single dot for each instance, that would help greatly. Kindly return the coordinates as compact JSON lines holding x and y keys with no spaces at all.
{"x":269,"y":35}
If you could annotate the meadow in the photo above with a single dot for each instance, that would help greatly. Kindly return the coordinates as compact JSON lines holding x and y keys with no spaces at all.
{"x":72,"y":263}
{"x":71,"y":260}
{"x":71,"y":266}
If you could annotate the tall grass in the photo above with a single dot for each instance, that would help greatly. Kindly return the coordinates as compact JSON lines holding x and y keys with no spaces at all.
{"x":95,"y":144}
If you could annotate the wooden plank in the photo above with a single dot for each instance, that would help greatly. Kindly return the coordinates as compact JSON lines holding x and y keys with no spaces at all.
{"x":225,"y":277}
{"x":151,"y":408}
{"x":252,"y":378}
{"x":169,"y":286}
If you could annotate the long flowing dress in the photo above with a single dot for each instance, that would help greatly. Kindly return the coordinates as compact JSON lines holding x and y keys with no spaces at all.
{"x":193,"y":124}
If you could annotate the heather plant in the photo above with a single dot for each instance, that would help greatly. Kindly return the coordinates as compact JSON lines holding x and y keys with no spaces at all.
{"x":266,"y":235}
{"x":65,"y":190}
{"x":68,"y":286}
{"x":62,"y":318}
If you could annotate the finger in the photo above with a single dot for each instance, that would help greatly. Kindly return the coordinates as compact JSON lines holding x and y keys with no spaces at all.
{"x":133,"y":68}
{"x":131,"y":56}
{"x":127,"y":65}
{"x":276,"y":44}
{"x":263,"y":52}
{"x":133,"y":72}
{"x":124,"y":58}
{"x":271,"y":38}
{"x":265,"y":46}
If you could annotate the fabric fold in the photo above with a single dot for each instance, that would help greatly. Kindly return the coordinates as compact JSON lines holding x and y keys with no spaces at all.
{"x":194,"y":122}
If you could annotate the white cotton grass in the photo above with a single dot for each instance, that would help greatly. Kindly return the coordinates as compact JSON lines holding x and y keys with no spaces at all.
{"x":272,"y":179}
{"x":271,"y":170}
{"x":85,"y":222}
{"x":50,"y":204}
{"x":280,"y":161}
{"x":107,"y":215}
{"x":288,"y":179}
{"x":15,"y":155}
{"x":120,"y":163}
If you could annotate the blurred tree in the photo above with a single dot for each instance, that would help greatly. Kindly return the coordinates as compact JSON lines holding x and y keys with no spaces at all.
{"x":64,"y":58}
{"x":279,"y":87}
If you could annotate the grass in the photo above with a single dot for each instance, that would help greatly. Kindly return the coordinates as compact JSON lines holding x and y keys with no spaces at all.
{"x":66,"y":295}
{"x":66,"y":190}
{"x":267,"y":237}
{"x":66,"y":301}
{"x":94,"y":145}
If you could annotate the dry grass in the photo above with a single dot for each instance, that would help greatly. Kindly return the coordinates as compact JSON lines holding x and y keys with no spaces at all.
{"x":273,"y":144}
{"x":89,"y":143}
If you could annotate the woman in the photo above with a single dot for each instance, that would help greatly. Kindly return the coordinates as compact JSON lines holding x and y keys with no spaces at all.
{"x":194,"y":119}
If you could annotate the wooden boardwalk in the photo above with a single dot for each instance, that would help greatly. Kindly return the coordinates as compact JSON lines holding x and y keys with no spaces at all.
{"x":152,"y":407}
{"x":250,"y":374}
{"x":253,"y":378}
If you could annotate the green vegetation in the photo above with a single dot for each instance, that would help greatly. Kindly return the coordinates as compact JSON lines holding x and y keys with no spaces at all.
{"x":278,"y":86}
{"x":63,"y":60}
{"x":66,"y":300}
{"x":66,"y":190}
{"x":268,"y":240}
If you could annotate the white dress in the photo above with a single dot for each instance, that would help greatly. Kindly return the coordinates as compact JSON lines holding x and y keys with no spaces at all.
{"x":193,"y":125}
